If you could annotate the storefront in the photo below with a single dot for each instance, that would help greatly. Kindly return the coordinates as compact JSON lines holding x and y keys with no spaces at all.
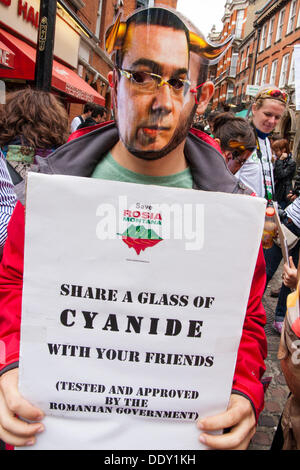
{"x":7,"y":57}
{"x":18,"y":36}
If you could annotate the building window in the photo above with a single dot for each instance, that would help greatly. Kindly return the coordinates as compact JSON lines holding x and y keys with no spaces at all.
{"x":257,"y":77}
{"x":283,"y":72}
{"x":292,"y":16}
{"x":292,"y":71}
{"x":233,"y":65}
{"x":270,"y":33}
{"x":230,"y":90}
{"x":242,"y":63}
{"x":247,"y":56}
{"x":239,"y":24}
{"x":280,"y":24}
{"x":298,"y":20}
{"x":263,"y":38}
{"x":273,"y":72}
{"x":99,"y":16}
{"x":264,"y":75}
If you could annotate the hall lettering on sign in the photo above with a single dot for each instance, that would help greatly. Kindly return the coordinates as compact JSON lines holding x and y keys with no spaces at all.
{"x":7,"y":3}
{"x":28,"y":13}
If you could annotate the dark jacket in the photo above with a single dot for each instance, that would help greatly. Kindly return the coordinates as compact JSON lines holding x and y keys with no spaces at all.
{"x":87,"y":123}
{"x":80,"y":156}
{"x":284,"y":171}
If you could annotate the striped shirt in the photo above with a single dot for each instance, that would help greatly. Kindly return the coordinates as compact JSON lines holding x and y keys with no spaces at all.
{"x":293,"y":211}
{"x":8,"y":199}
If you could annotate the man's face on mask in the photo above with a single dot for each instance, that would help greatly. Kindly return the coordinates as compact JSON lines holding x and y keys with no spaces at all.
{"x":152,"y":119}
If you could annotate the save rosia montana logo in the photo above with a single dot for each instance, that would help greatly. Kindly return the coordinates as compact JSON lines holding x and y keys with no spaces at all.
{"x":142,"y":226}
{"x":139,"y":238}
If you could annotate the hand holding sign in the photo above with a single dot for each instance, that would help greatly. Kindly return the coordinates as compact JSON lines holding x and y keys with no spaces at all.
{"x":13,"y":430}
{"x":290,"y":274}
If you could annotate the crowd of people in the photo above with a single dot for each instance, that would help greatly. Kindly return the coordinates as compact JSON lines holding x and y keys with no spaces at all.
{"x":92,"y":114}
{"x":154,"y":113}
{"x":270,"y":170}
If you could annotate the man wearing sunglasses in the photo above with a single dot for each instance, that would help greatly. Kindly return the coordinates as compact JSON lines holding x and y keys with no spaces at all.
{"x":155,"y":94}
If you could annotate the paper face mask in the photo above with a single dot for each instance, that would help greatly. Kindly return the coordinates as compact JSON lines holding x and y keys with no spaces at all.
{"x":156,"y":83}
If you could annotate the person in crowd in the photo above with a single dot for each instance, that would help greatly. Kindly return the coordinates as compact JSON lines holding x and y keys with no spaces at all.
{"x":155,"y":95}
{"x":273,"y":138}
{"x":284,"y":171}
{"x":290,"y":217}
{"x":8,"y":201}
{"x":87,"y":111}
{"x":257,"y":173}
{"x":287,"y":436}
{"x":236,"y":139}
{"x":290,"y":274}
{"x":210,"y":120}
{"x":199,"y":125}
{"x":98,"y":115}
{"x":33,"y":123}
{"x":295,"y":191}
{"x":226,"y":108}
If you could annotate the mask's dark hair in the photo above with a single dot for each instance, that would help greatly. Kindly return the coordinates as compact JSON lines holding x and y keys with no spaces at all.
{"x":35,"y":115}
{"x":153,"y":16}
{"x":228,"y":127}
{"x":162,"y":17}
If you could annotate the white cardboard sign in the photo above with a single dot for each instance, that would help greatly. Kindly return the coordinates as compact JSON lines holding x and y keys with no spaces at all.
{"x":134,"y":300}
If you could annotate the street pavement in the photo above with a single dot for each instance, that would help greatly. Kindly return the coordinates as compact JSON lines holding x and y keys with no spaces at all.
{"x":277,"y":392}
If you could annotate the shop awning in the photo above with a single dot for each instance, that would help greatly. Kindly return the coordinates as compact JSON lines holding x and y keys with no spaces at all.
{"x":67,"y":81}
{"x":7,"y":57}
{"x":63,"y":78}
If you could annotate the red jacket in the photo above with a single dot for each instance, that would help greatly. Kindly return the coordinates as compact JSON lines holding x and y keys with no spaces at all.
{"x":253,"y":346}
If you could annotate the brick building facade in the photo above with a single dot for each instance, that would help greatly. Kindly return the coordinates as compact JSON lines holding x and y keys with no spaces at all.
{"x":261,"y":54}
{"x":247,"y":54}
{"x":234,"y":23}
{"x":277,"y":27}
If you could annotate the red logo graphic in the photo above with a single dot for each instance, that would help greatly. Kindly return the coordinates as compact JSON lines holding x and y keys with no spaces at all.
{"x":139,"y":238}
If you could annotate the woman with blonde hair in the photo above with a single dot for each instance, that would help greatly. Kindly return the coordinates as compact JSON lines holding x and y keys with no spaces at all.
{"x":269,"y":106}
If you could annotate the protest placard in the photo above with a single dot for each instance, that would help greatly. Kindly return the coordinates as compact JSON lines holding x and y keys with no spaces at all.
{"x":133,"y":305}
